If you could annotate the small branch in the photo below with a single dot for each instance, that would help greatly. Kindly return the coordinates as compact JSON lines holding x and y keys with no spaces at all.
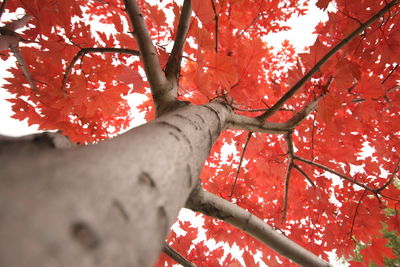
{"x":253,"y":124}
{"x":240,"y":163}
{"x":286,"y":194}
{"x":290,"y":153}
{"x":313,"y":135}
{"x":336,"y":173}
{"x":394,"y":174}
{"x":85,"y":51}
{"x":297,"y":167}
{"x":248,"y":26}
{"x":324,"y":59}
{"x":390,"y":73}
{"x":216,"y":24}
{"x":173,"y":254}
{"x":214,"y":206}
{"x":22,"y":65}
{"x":174,"y":60}
{"x":162,"y":92}
{"x":3,"y":7}
{"x":297,"y":118}
{"x":355,"y":213}
{"x":259,"y":109}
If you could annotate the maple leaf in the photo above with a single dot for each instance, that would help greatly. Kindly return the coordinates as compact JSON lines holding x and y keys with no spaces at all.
{"x":223,"y":71}
{"x":377,"y":251}
{"x":203,"y":11}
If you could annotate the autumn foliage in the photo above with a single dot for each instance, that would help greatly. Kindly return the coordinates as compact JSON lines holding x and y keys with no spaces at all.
{"x":66,"y":84}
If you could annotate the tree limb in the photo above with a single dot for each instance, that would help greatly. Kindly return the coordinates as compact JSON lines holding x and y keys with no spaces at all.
{"x":9,"y":39}
{"x":22,"y":65}
{"x":253,"y":124}
{"x":336,"y":173}
{"x":290,"y":152}
{"x":85,"y":51}
{"x":173,"y":254}
{"x":394,"y":174}
{"x":324,"y":59}
{"x":211,"y":205}
{"x":216,"y":18}
{"x":240,"y":162}
{"x":300,"y":170}
{"x":174,"y":60}
{"x":163,"y":93}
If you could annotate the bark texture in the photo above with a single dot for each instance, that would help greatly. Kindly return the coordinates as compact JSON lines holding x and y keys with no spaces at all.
{"x":109,"y":204}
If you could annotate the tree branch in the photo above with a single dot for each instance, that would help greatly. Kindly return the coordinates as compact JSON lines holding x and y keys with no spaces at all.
{"x":300,"y":170}
{"x":253,"y":124}
{"x":290,"y":152}
{"x":297,"y":118}
{"x":9,"y":39}
{"x":336,"y":173}
{"x":324,"y":59}
{"x":259,"y":109}
{"x":240,"y":162}
{"x":173,"y":254}
{"x":394,"y":174}
{"x":355,"y":213}
{"x":211,"y":205}
{"x":163,"y":93}
{"x":216,"y":18}
{"x":174,"y":60}
{"x":85,"y":51}
{"x":22,"y":65}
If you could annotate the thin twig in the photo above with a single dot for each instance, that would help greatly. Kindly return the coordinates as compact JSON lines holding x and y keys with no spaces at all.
{"x":240,"y":163}
{"x":394,"y":174}
{"x":216,"y":24}
{"x":355,"y":212}
{"x":297,"y":167}
{"x":390,"y":73}
{"x":176,"y":256}
{"x":335,"y":172}
{"x":251,"y":24}
{"x":312,"y":135}
{"x":324,"y":59}
{"x":85,"y":51}
{"x":174,"y":60}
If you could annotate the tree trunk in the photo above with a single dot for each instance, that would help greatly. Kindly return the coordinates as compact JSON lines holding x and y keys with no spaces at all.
{"x":109,"y":204}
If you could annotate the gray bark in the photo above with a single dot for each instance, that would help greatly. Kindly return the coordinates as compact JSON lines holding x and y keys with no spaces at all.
{"x":213,"y":206}
{"x":109,"y":204}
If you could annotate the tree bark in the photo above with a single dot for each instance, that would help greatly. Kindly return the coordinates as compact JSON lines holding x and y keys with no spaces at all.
{"x":109,"y":204}
{"x":213,"y":206}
